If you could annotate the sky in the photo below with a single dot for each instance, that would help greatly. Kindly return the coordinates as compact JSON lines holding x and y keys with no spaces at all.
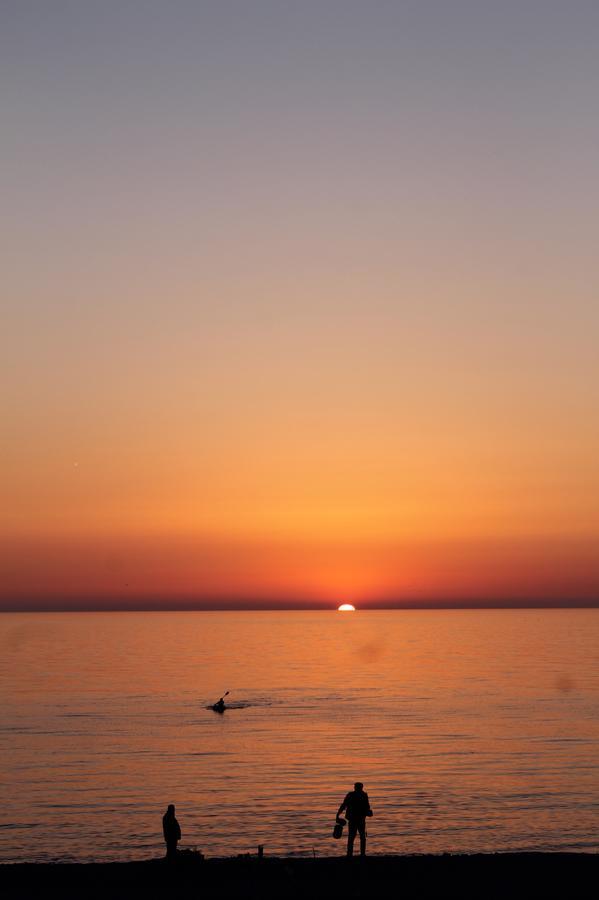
{"x":299,"y":303}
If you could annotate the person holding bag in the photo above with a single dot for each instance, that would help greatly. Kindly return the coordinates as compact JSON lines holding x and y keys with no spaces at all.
{"x":357,"y":809}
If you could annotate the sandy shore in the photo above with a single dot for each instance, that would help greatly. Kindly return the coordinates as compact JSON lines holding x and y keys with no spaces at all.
{"x":481,"y":876}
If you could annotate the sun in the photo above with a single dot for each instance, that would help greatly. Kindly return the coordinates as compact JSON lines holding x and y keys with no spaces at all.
{"x":346,"y":607}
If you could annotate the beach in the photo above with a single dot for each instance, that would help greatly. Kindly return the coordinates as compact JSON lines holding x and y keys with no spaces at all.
{"x":479,"y":875}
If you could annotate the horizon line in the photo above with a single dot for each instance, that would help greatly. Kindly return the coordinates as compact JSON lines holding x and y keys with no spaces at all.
{"x":32,"y":606}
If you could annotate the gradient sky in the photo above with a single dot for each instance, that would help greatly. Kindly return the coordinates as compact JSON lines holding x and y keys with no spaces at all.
{"x":300,"y":302}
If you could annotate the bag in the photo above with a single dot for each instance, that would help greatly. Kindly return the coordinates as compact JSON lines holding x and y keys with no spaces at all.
{"x":338,"y":829}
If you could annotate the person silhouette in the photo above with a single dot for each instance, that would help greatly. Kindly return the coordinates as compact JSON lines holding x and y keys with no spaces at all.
{"x":219,"y":706}
{"x":172,"y":832}
{"x":357,"y":809}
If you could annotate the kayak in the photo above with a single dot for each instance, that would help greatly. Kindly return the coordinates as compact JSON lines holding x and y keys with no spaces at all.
{"x":219,"y":706}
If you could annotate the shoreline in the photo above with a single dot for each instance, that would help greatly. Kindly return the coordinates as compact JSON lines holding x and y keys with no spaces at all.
{"x":475,"y":875}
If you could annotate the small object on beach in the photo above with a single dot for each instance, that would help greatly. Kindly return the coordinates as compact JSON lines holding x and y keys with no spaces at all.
{"x":260,"y":851}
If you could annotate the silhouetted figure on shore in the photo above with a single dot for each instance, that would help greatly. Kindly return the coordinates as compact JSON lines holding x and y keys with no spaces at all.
{"x":172,"y":833}
{"x":357,"y":810}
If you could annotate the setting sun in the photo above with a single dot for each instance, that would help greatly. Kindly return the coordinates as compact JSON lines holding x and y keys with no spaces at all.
{"x":346,"y":607}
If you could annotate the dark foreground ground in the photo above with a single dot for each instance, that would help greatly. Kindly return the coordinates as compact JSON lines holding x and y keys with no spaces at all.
{"x":502,"y":875}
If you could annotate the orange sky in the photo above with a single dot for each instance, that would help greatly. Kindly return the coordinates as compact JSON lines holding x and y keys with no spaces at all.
{"x":290,"y":328}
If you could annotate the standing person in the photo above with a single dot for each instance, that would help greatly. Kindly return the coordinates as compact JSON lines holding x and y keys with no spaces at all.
{"x":172,"y":833}
{"x":357,"y":809}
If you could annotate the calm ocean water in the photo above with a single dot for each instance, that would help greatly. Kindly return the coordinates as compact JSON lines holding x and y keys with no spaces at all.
{"x":472,"y":731}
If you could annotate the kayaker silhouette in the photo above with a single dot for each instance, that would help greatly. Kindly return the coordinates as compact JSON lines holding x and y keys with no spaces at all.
{"x":219,"y":706}
{"x":357,"y":809}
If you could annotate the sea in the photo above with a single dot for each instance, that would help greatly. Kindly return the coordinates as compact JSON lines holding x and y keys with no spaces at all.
{"x":472,"y":731}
